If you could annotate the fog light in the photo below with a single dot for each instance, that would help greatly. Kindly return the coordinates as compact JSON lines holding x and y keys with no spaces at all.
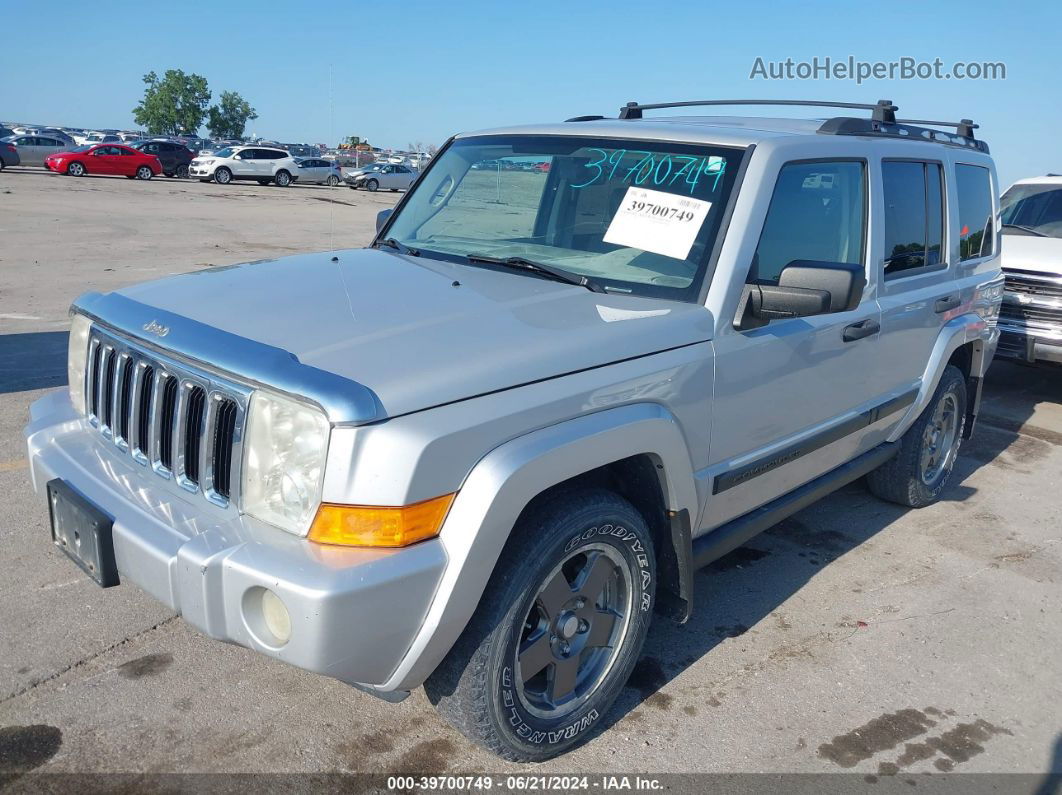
{"x":276,"y":618}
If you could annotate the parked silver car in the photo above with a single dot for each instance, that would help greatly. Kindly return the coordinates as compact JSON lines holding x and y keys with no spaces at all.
{"x":387,"y":176}
{"x":480,"y":455}
{"x":319,"y":171}
{"x":33,"y":149}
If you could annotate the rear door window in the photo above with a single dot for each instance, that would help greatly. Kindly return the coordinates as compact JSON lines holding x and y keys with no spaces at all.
{"x":976,"y":228}
{"x":914,"y":215}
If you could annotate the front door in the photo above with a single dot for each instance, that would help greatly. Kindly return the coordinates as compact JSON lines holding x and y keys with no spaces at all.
{"x":793,"y":399}
{"x":106,"y":160}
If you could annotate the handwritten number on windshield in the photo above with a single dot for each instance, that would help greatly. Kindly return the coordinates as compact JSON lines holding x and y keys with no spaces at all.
{"x":663,"y":170}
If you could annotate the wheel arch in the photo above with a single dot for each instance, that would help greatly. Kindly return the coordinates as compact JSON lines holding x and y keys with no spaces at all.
{"x":964,"y":343}
{"x":640,"y":445}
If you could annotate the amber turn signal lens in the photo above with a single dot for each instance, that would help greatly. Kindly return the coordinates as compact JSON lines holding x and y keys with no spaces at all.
{"x":375,"y":526}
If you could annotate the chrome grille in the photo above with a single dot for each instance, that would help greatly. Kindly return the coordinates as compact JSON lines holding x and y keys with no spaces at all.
{"x":183,"y":423}
{"x":1032,"y":283}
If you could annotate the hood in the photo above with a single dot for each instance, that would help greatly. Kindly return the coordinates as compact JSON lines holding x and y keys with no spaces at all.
{"x":1031,"y":253}
{"x":400,"y":326}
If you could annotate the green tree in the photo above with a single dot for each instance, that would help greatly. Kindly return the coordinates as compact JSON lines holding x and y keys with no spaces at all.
{"x":174,"y":105}
{"x":230,"y":116}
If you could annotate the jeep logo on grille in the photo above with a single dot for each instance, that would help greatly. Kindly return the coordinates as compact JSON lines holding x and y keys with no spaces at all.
{"x":155,"y":327}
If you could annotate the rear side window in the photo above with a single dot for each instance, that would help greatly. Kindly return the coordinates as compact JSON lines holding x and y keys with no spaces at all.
{"x":914,"y":215}
{"x":976,"y":232}
{"x":818,"y":212}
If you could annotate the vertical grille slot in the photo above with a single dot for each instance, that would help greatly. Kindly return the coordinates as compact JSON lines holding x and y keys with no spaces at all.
{"x":167,"y":415}
{"x":109,"y":368}
{"x":193,"y":433}
{"x":224,"y":438}
{"x":125,"y":399}
{"x":94,"y":381}
{"x":147,"y":388}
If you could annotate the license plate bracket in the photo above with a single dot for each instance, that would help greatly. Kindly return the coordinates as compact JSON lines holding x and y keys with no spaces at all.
{"x":83,"y":532}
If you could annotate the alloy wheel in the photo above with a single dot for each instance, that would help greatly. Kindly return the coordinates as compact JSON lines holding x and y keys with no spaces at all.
{"x":939,"y":441}
{"x":570,"y":636}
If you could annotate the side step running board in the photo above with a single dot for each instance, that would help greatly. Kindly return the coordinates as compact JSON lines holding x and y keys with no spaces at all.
{"x":716,"y":543}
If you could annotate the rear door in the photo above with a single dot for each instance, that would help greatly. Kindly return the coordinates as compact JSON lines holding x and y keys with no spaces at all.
{"x":794,"y":399}
{"x":914,"y":266}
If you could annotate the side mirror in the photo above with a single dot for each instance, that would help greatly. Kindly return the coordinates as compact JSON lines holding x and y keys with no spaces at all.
{"x":381,"y":218}
{"x":805,"y":288}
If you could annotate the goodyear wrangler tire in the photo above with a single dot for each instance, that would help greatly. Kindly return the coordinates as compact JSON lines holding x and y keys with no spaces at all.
{"x":559,"y":627}
{"x":919,"y":472}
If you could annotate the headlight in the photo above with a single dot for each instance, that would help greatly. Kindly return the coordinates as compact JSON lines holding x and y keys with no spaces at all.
{"x":77,"y":357}
{"x":284,"y":457}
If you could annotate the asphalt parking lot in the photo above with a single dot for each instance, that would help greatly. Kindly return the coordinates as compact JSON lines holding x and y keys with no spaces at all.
{"x":855,"y":636}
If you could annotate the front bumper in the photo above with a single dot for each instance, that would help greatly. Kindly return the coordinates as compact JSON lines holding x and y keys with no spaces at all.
{"x":354,"y":612}
{"x":200,"y":171}
{"x":1027,"y":347}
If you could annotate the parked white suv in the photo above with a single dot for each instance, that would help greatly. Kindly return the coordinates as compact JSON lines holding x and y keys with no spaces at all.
{"x":1031,"y":318}
{"x":264,"y":164}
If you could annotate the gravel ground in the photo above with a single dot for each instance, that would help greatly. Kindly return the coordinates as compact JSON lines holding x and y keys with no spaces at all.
{"x":855,"y":636}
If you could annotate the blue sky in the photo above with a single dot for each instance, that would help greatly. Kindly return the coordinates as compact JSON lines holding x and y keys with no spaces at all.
{"x":419,"y":71}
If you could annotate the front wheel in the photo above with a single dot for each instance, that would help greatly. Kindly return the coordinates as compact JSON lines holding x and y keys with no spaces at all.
{"x":558,"y":629}
{"x":181,"y":172}
{"x":918,"y":473}
{"x":144,"y":173}
{"x":222,"y":176}
{"x":372,"y":186}
{"x":282,"y":178}
{"x":75,"y":169}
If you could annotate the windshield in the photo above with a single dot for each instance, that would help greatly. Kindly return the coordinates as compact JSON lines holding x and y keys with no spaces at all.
{"x":223,"y":152}
{"x":80,"y":149}
{"x":635,"y":216}
{"x":1031,"y":208}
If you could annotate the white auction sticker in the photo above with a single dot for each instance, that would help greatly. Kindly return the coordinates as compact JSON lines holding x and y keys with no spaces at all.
{"x":659,"y":222}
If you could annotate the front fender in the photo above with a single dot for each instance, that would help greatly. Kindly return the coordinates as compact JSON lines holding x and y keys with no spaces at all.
{"x":504,"y":482}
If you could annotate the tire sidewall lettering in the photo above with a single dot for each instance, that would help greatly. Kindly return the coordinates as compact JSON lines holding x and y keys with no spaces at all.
{"x":511,"y":712}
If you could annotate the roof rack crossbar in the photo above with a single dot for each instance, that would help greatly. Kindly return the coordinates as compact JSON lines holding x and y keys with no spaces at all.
{"x":884,"y":110}
{"x":964,"y":127}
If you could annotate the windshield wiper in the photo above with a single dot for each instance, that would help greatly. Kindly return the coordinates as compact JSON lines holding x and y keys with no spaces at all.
{"x":1028,"y":229}
{"x":401,"y":248}
{"x":557,"y":274}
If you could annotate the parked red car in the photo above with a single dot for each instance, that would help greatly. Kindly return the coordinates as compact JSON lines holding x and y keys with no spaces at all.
{"x":104,"y":159}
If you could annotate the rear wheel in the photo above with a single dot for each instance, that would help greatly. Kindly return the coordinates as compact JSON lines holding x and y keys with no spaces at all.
{"x":282,"y":179}
{"x":557,"y":631}
{"x":143,"y":172}
{"x":918,"y":473}
{"x":332,"y":181}
{"x":372,"y":186}
{"x":222,"y":176}
{"x":75,"y":169}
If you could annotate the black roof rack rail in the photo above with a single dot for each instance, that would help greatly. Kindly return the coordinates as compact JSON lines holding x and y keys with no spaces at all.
{"x":585,"y":118}
{"x":882,"y":120}
{"x":883,"y":111}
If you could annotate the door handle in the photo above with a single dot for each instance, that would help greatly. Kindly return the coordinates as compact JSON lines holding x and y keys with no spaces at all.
{"x":944,"y":304}
{"x":857,"y":331}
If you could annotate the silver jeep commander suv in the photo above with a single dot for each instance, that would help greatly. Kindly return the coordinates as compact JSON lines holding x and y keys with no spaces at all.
{"x":480,"y":454}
